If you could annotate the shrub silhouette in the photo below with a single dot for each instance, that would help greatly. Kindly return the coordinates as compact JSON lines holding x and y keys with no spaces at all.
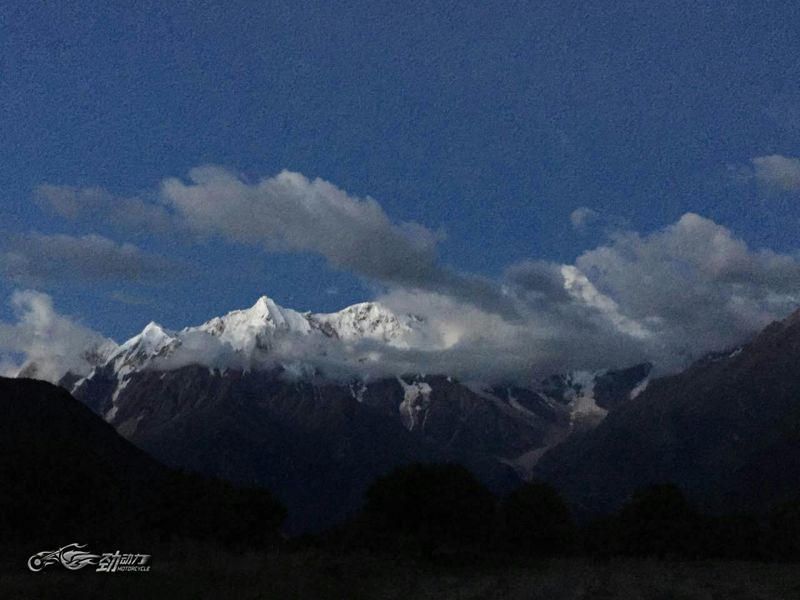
{"x":431,"y":507}
{"x":535,"y":520}
{"x":202,"y":508}
{"x":600,"y":536}
{"x":658,"y":521}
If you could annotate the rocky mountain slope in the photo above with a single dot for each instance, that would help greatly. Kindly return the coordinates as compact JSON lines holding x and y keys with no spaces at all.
{"x":727,"y":430}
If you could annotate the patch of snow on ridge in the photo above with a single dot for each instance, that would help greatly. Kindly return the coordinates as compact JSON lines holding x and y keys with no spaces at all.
{"x":640,"y":387}
{"x":515,"y":403}
{"x":357,"y":390}
{"x":416,"y":399}
{"x":122,"y":383}
{"x":112,"y":412}
{"x":582,"y":406}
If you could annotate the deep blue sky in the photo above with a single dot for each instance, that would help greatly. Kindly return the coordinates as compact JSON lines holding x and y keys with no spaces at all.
{"x":492,"y":121}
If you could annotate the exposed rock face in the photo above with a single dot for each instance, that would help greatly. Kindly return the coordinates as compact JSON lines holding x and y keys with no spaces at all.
{"x":318,"y":444}
{"x":314,"y":444}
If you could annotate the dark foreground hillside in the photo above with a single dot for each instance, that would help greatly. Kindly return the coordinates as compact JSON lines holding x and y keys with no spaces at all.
{"x":426,"y":530}
{"x":208,"y":572}
{"x":67,"y":476}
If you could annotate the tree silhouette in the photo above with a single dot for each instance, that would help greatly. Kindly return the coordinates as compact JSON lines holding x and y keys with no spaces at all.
{"x":659,"y":521}
{"x":535,"y":520}
{"x":433,"y":507}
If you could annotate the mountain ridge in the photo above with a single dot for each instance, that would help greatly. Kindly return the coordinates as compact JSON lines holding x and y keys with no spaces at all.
{"x":727,"y":430}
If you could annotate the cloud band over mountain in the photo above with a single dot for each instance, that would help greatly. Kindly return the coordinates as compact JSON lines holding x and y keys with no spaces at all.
{"x":666,"y":296}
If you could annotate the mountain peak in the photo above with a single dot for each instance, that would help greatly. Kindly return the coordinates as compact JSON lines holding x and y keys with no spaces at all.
{"x":264,"y":309}
{"x":264,"y":303}
{"x":152,"y":328}
{"x":371,"y":320}
{"x":154,"y":335}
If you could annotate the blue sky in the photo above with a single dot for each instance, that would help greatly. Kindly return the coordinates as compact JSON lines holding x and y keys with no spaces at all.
{"x":487,"y":124}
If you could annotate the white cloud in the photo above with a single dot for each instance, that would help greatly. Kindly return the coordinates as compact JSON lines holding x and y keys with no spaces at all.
{"x":289,"y":212}
{"x":284,"y":213}
{"x":52,"y":342}
{"x":560,"y":325}
{"x":668,"y":297}
{"x":775,"y":170}
{"x":694,"y":285}
{"x":124,"y":297}
{"x":584,"y":292}
{"x":8,"y":367}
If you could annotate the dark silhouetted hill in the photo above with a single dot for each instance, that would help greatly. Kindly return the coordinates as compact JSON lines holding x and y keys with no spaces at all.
{"x":66,"y":474}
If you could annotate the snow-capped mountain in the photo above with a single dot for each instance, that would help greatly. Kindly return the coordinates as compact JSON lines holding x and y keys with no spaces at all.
{"x":223,"y":396}
{"x":267,"y":335}
{"x":244,"y":329}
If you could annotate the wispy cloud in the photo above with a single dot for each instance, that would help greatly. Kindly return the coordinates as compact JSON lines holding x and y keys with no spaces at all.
{"x":582,"y":217}
{"x":36,"y":258}
{"x":124,"y":297}
{"x":777,"y":171}
{"x":585,"y":219}
{"x":97,"y":205}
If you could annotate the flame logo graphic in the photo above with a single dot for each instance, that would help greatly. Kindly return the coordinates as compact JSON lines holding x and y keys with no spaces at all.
{"x":70,"y":556}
